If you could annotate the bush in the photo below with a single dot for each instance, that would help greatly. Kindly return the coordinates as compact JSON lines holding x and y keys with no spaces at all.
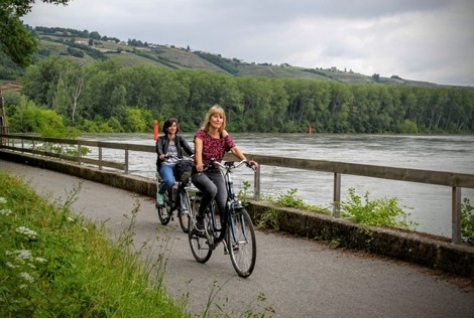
{"x":467,"y":221}
{"x":380,"y":212}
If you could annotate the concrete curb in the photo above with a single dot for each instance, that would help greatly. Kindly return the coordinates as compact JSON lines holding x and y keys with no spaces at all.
{"x":423,"y":249}
{"x":420,"y":248}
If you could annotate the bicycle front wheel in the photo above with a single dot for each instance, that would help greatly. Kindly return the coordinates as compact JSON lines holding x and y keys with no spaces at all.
{"x":184,"y":211}
{"x":183,"y":220}
{"x":165,"y":211}
{"x":241,"y":243}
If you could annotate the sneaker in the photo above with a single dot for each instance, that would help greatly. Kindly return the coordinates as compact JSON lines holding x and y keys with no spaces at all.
{"x":160,"y":199}
{"x":199,"y":227}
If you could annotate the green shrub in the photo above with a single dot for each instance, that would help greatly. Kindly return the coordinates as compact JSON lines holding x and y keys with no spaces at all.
{"x":379,"y":212}
{"x":292,"y":200}
{"x":467,"y":221}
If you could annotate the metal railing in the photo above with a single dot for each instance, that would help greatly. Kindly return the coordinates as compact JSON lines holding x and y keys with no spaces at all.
{"x":54,"y":148}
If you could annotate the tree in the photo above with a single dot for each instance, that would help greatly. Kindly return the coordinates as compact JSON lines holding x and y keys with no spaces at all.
{"x":16,"y":41}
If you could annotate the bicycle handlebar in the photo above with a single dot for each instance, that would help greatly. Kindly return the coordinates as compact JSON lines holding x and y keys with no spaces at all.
{"x":229,"y":165}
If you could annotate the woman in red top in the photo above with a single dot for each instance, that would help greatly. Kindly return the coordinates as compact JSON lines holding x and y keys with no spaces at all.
{"x":212,"y":141}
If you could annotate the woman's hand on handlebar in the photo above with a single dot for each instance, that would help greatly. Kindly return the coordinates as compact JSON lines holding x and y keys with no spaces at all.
{"x":252,"y":164}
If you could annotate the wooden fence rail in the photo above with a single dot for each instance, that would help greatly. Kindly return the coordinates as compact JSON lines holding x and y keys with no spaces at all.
{"x":54,"y":147}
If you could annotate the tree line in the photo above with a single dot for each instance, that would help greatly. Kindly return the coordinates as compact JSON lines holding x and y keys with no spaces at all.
{"x":106,"y":97}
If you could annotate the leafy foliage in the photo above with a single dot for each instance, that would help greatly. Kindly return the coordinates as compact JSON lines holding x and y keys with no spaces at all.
{"x":467,"y":221}
{"x":379,"y":212}
{"x":106,"y":89}
{"x":224,"y":64}
{"x":31,"y":118}
{"x":15,"y":39}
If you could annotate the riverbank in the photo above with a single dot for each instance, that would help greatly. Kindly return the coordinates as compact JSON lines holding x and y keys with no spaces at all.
{"x":419,"y":248}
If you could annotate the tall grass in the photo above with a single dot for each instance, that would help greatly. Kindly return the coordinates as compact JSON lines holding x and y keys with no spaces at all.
{"x":55,"y":264}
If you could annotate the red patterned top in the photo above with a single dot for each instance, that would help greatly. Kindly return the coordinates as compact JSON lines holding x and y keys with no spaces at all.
{"x":214,"y":147}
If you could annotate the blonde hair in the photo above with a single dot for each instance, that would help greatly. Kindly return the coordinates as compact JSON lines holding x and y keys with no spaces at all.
{"x":215,"y":109}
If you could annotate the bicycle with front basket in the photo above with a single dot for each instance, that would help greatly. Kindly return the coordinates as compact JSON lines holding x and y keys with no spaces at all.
{"x":181,"y":201}
{"x":237,"y":232}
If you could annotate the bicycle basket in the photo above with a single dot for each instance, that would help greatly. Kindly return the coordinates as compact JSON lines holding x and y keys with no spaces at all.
{"x":182,"y":170}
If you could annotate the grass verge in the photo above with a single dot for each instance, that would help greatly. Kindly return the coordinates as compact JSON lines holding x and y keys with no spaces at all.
{"x":55,"y":264}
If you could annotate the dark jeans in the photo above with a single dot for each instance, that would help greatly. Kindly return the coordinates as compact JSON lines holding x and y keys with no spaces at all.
{"x":212,"y":184}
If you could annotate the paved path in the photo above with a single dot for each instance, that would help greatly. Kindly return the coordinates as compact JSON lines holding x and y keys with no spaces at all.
{"x":295,"y":277}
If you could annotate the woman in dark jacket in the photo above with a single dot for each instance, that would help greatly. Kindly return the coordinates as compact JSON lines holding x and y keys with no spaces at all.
{"x":169,"y":147}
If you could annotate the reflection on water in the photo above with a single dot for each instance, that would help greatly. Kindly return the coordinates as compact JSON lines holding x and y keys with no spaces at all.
{"x":430,"y":205}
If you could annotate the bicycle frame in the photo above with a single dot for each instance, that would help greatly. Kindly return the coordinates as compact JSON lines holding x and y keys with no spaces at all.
{"x":232,"y":201}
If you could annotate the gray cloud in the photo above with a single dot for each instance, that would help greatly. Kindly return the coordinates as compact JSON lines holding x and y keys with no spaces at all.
{"x":426,"y":40}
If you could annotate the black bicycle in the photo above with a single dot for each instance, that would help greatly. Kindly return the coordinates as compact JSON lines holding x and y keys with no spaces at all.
{"x":179,"y":200}
{"x":236,"y":232}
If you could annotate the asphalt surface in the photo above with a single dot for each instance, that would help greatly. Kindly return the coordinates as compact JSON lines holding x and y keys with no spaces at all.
{"x":293,"y":277}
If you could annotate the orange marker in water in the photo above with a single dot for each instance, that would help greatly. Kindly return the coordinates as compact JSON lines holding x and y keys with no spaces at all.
{"x":155,"y":130}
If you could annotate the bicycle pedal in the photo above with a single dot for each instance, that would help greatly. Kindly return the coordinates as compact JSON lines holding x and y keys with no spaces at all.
{"x":235,"y":248}
{"x":199,"y":233}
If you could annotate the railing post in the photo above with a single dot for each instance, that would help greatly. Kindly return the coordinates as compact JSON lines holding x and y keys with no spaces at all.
{"x":256,"y":184}
{"x":456,"y":212}
{"x":79,"y":154}
{"x":336,"y":208}
{"x":126,"y":161}
{"x":100,"y":157}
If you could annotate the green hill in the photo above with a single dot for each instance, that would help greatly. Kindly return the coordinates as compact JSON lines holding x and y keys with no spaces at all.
{"x":91,"y":46}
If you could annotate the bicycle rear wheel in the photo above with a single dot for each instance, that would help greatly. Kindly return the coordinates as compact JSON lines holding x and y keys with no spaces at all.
{"x":241,"y":243}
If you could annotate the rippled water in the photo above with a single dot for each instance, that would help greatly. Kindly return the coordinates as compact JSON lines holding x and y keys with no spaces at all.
{"x":431,"y":204}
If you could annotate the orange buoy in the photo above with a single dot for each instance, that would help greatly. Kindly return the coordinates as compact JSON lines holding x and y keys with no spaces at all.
{"x":155,"y":130}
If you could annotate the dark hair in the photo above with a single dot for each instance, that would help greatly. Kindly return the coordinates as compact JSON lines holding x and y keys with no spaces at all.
{"x":170,"y":122}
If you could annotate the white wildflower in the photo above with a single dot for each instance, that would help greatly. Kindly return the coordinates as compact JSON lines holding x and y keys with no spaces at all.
{"x":27,"y":276}
{"x":31,"y":266}
{"x":40,"y":260}
{"x":70,"y":219}
{"x":3,"y":200}
{"x":22,"y":286}
{"x":24,"y":254}
{"x":10,"y":265}
{"x":5,"y":212}
{"x":26,"y":231}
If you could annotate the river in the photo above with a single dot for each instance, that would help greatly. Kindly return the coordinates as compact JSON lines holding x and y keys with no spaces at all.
{"x":429,"y":205}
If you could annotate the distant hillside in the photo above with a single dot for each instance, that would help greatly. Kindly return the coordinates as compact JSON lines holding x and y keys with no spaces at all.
{"x":90,"y":46}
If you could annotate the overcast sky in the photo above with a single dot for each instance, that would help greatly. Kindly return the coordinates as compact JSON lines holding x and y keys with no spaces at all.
{"x":425,"y":40}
